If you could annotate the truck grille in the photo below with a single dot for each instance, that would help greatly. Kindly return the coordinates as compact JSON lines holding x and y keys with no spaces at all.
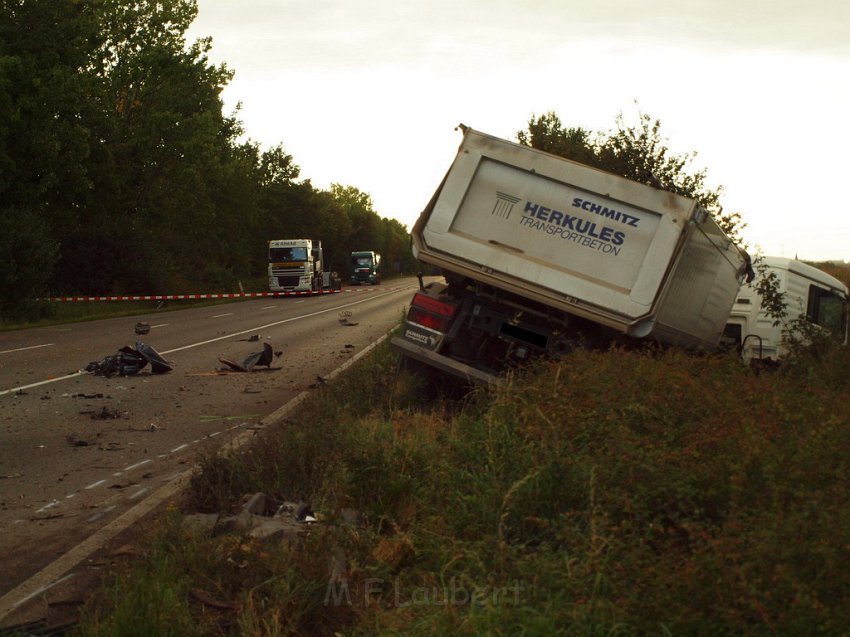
{"x":287,"y":281}
{"x":283,"y":270}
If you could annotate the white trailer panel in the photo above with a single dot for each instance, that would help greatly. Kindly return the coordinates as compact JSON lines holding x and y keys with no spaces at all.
{"x":637,"y":259}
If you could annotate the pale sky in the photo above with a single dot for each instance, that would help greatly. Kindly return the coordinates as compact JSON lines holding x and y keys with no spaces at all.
{"x":367,"y":93}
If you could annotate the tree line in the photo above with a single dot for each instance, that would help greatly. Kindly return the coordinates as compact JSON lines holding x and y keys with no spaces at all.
{"x":120,"y":172}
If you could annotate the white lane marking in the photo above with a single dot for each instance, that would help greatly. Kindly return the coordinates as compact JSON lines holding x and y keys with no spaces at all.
{"x":42,"y":590}
{"x":138,"y":464}
{"x":95,"y":484}
{"x":269,"y":307}
{"x":371,"y":297}
{"x":268,"y":325}
{"x":153,"y":327}
{"x":100,"y":514}
{"x":48,"y":506}
{"x":220,"y":315}
{"x":69,"y":560}
{"x":38,"y":384}
{"x":22,"y":349}
{"x":176,"y":449}
{"x":138,"y":493}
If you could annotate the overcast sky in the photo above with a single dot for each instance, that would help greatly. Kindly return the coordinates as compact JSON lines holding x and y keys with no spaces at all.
{"x":367,"y":93}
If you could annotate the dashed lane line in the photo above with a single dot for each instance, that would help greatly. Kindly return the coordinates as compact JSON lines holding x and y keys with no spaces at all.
{"x":213,"y":340}
{"x":23,"y":349}
{"x":51,"y":574}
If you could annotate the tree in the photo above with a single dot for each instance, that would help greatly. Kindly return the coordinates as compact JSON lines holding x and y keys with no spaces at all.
{"x":277,"y":167}
{"x":163,"y":150}
{"x":119,"y":172}
{"x":547,"y":133}
{"x":26,"y":257}
{"x":45,"y":136}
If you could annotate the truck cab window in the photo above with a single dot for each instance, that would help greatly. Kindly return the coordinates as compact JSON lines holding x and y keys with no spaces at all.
{"x":827,"y":310}
{"x":285,"y":255}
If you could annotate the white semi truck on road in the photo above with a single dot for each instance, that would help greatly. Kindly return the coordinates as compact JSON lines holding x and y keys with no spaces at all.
{"x":297,"y":265}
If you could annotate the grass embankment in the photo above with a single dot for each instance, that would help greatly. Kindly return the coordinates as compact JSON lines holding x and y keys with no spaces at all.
{"x":612,"y":493}
{"x":75,"y":312}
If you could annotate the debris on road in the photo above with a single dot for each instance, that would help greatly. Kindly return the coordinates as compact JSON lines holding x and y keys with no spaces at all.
{"x":264,"y":358}
{"x":104,"y":413}
{"x":77,"y":442}
{"x":142,"y":328}
{"x":345,"y":318}
{"x":128,"y":362}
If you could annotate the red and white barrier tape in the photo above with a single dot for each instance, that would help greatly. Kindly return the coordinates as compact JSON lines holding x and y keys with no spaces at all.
{"x":170,"y":297}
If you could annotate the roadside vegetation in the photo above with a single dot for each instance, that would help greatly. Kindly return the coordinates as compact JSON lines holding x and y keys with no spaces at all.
{"x":610,"y":493}
{"x":60,"y":313}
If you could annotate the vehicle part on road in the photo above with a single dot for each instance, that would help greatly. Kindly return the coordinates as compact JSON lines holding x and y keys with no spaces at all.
{"x":158,"y":364}
{"x":128,"y":361}
{"x":265,"y":357}
{"x":345,"y":318}
{"x":142,"y":328}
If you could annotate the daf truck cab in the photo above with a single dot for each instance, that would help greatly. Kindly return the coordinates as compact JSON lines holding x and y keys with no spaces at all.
{"x":296,"y":265}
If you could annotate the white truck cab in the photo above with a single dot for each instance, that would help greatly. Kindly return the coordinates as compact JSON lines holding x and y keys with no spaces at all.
{"x":809,"y":292}
{"x":297,"y":266}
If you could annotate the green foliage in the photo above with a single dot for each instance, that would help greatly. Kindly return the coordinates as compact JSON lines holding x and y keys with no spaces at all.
{"x":548,"y":134}
{"x":687,"y":496}
{"x":27,"y":256}
{"x":148,"y":599}
{"x":115,"y":149}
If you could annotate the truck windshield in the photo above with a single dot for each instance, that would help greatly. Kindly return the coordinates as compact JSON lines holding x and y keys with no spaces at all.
{"x":285,"y":255}
{"x":362,"y":262}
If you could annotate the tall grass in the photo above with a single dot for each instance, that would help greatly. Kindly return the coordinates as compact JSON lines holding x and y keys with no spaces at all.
{"x":616,"y":493}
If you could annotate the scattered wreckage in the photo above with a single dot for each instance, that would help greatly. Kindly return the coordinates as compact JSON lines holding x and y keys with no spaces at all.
{"x":264,"y":358}
{"x":129,"y":361}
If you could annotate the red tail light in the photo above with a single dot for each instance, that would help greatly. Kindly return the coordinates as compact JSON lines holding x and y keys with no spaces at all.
{"x":431,"y":313}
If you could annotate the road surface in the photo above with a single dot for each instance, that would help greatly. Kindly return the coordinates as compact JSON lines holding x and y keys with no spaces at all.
{"x":78,"y":450}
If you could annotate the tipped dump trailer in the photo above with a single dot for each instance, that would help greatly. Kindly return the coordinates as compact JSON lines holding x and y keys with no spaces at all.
{"x":541,"y":253}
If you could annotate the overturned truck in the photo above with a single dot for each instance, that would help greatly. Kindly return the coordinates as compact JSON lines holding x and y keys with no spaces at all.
{"x":541,"y":254}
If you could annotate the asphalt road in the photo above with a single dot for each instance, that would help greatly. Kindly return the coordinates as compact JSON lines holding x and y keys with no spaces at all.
{"x":78,"y":450}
